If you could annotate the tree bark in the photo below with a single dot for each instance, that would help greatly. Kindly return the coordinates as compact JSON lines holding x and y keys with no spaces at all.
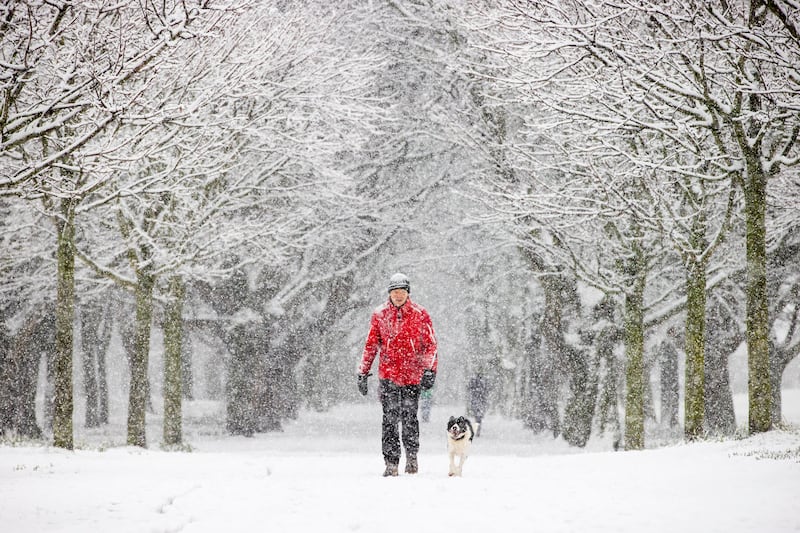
{"x":580,"y":408}
{"x":783,"y":295}
{"x":88,"y":340}
{"x":137,"y":399}
{"x":758,"y":365}
{"x":102,"y":384}
{"x":609,"y":376}
{"x":95,"y":327}
{"x":20,"y":358}
{"x":634,"y":352}
{"x":65,"y":314}
{"x":554,"y":346}
{"x":723,"y":338}
{"x":779,"y":360}
{"x":670,"y":386}
{"x":695,"y":351}
{"x":539,"y":408}
{"x":173,"y":375}
{"x":720,"y":417}
{"x":241,"y":384}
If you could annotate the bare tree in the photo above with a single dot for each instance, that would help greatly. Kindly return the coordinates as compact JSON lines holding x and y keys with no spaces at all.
{"x":647,"y":102}
{"x":70,"y":72}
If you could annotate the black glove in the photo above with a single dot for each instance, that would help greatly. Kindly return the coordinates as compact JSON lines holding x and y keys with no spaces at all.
{"x":428,"y":377}
{"x":362,"y":383}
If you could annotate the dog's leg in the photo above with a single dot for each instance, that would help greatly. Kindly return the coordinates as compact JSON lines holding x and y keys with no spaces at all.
{"x":452,"y":471}
{"x":461,"y":464}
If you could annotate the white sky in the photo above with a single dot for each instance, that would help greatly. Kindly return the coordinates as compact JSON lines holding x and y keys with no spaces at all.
{"x":323,"y":473}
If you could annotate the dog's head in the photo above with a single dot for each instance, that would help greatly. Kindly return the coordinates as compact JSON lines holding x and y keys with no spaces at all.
{"x":459,"y":428}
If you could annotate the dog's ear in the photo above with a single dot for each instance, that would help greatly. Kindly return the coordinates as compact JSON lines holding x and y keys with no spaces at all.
{"x":450,"y":422}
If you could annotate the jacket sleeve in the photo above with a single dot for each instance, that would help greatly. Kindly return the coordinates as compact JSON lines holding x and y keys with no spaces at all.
{"x":430,"y":356}
{"x":371,"y":347}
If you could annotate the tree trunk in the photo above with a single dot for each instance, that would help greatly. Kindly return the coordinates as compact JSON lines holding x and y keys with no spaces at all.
{"x":65,"y":314}
{"x":634,"y":354}
{"x":580,"y":408}
{"x":670,"y":387}
{"x":102,"y":382}
{"x":20,"y":358}
{"x":720,"y":414}
{"x":137,"y":399}
{"x":609,"y":376}
{"x":7,"y":377}
{"x":758,"y":365}
{"x":539,"y":410}
{"x":88,"y":318}
{"x":241,"y":384}
{"x":723,"y":338}
{"x":573,"y":367}
{"x":553,"y":347}
{"x":543,"y":412}
{"x":544,"y":361}
{"x":49,"y":386}
{"x":173,"y":378}
{"x":695,"y":350}
{"x":270,"y":381}
{"x":95,"y":324}
{"x":187,"y":368}
{"x":779,"y":360}
{"x":269,"y":394}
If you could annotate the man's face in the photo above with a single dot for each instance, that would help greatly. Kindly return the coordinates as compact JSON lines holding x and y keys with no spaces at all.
{"x":398,"y":297}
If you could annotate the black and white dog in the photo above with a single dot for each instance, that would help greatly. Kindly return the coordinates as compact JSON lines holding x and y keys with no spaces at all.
{"x":459,"y":438}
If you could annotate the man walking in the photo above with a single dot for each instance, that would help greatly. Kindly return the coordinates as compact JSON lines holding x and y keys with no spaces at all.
{"x":402,"y":332}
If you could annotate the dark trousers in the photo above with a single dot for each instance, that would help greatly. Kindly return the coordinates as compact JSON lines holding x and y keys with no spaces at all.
{"x":400,"y":405}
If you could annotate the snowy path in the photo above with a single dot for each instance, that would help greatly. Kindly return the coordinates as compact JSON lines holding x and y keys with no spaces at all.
{"x":323,"y":472}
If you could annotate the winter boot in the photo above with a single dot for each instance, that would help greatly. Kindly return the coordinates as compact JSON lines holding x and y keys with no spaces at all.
{"x":391,"y":470}
{"x":411,"y":465}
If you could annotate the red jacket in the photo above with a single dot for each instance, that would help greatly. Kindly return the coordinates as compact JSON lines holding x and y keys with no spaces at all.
{"x":405,"y":339}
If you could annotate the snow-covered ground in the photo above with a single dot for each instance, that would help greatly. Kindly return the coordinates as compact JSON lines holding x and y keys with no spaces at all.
{"x":323,"y":473}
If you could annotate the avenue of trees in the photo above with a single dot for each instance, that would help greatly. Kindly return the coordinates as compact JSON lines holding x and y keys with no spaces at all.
{"x":586,"y":195}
